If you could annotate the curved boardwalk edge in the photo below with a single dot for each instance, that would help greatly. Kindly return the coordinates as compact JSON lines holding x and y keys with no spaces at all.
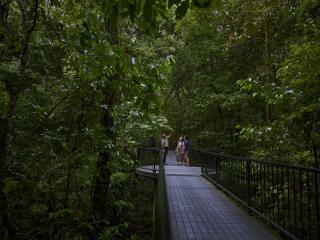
{"x":147,"y":171}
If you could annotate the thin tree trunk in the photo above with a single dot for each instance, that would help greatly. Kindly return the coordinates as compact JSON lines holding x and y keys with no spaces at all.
{"x":24,"y":55}
{"x":268,"y":61}
{"x":3,"y":145}
{"x":102,"y":178}
{"x":4,"y":206}
{"x":315,"y":141}
{"x":74,"y":148}
{"x":315,"y":154}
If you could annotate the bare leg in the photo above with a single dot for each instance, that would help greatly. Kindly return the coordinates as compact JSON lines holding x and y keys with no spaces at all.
{"x":178,"y":158}
{"x":187,"y":159}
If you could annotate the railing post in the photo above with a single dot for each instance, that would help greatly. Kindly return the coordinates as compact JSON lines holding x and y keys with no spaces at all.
{"x":156,"y":155}
{"x":205,"y":159}
{"x":217,"y":161}
{"x":248,"y":170}
{"x":199,"y":155}
{"x":138,"y":154}
{"x":162,"y":221}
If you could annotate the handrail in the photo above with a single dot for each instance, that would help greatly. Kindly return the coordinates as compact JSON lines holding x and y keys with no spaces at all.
{"x":317,"y":170}
{"x":148,"y":162}
{"x":285,"y":196}
{"x":161,"y":222}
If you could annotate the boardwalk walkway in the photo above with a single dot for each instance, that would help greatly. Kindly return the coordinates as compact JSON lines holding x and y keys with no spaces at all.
{"x":198,"y":211}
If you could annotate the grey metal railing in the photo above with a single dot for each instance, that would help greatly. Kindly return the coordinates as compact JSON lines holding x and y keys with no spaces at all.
{"x":150,"y":159}
{"x":285,"y":196}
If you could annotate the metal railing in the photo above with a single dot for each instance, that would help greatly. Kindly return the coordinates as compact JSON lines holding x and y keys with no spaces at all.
{"x":285,"y":196}
{"x":150,"y":159}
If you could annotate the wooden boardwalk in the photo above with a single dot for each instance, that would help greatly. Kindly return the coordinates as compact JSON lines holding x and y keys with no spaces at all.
{"x":198,"y":211}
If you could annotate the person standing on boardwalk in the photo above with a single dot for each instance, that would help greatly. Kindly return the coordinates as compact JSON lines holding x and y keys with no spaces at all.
{"x":186,"y":150}
{"x":165,"y":146}
{"x":179,"y":151}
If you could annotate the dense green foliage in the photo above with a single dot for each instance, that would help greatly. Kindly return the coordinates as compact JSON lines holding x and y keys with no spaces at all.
{"x":83,"y":83}
{"x":246,"y":79}
{"x":79,"y":80}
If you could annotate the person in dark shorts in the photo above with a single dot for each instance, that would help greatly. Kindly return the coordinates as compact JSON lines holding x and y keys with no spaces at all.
{"x":186,"y":150}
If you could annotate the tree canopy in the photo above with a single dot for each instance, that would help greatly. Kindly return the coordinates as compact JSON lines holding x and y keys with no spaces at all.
{"x":83,"y":83}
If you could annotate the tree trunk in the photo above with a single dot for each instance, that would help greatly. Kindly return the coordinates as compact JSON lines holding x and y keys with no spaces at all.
{"x":75,"y":144}
{"x":27,"y":28}
{"x":102,"y":178}
{"x":4,"y":209}
{"x":3,"y":145}
{"x":268,"y":61}
{"x":315,"y":154}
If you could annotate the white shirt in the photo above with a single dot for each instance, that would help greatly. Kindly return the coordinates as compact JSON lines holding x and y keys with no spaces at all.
{"x":165,"y":142}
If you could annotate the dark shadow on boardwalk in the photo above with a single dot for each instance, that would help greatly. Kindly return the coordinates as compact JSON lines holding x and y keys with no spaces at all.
{"x":199,"y":211}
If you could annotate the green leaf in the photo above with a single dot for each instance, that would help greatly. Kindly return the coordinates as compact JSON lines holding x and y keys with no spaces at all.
{"x":60,"y":213}
{"x":171,"y":2}
{"x":217,"y":4}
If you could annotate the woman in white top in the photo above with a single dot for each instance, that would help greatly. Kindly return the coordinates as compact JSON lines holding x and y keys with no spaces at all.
{"x":179,"y":149}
